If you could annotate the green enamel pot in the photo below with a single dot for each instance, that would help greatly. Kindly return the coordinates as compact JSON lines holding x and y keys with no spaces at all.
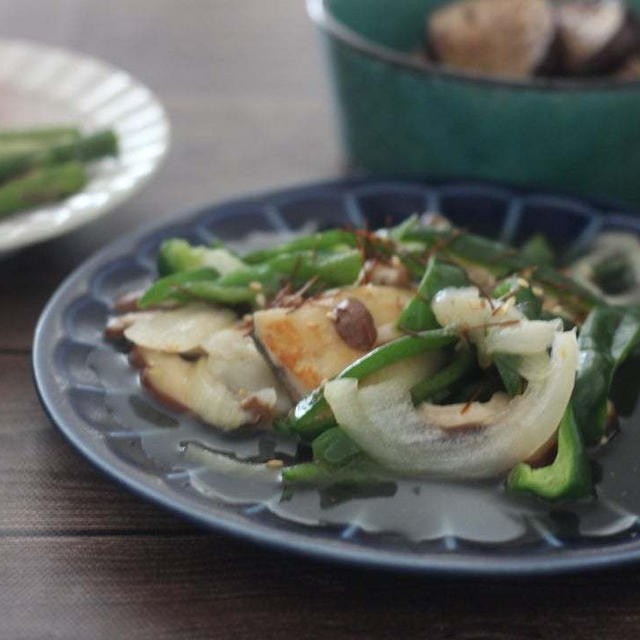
{"x":401,"y":114}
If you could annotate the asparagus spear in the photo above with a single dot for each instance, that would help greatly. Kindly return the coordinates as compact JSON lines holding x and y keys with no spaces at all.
{"x":43,"y":185}
{"x":36,"y":139}
{"x":98,"y":145}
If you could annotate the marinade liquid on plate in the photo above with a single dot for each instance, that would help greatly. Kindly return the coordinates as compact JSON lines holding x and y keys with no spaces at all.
{"x":417,"y":509}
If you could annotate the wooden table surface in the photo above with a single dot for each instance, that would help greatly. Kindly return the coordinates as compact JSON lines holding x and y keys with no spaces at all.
{"x":81,"y":558}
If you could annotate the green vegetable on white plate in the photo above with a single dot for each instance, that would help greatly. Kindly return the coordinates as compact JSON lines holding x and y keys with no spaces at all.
{"x":46,"y":164}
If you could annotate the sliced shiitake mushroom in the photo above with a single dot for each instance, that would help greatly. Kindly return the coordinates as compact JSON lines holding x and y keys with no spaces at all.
{"x":596,"y":37}
{"x":180,"y":330}
{"x":229,"y":387}
{"x":509,"y":37}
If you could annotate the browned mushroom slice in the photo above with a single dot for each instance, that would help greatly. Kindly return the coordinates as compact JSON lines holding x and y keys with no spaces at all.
{"x":304,"y":344}
{"x":229,"y":387}
{"x":180,"y":330}
{"x":510,"y":37}
{"x":166,"y":375}
{"x":596,"y":37}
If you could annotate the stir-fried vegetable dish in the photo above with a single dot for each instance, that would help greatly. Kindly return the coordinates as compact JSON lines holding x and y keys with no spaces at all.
{"x":420,"y":350}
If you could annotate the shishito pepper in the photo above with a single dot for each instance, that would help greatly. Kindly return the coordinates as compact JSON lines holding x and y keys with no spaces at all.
{"x":568,"y":477}
{"x":607,"y":338}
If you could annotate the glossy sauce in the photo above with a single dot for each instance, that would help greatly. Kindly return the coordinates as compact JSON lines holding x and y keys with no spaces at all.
{"x":416,"y":509}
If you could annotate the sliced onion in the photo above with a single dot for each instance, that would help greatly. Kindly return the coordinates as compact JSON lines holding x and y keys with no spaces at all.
{"x":535,"y":367}
{"x":494,"y":326}
{"x":429,"y":440}
{"x":463,"y":308}
{"x":527,"y":338}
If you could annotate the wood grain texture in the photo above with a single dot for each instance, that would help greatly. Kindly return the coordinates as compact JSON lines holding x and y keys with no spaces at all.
{"x":81,"y":558}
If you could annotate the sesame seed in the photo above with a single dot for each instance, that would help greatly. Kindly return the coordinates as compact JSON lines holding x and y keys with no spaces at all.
{"x":255,"y":286}
{"x":274,"y":463}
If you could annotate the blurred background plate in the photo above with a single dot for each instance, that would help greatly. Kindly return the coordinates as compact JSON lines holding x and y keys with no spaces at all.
{"x":41,"y":85}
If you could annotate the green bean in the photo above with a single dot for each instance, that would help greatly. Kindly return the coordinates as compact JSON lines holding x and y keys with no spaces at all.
{"x":443,"y":379}
{"x":538,"y":251}
{"x":334,"y":269}
{"x":247,"y":284}
{"x":357,"y":472}
{"x":213,"y":292}
{"x":397,"y":232}
{"x":320,"y":241}
{"x":417,"y":315}
{"x":501,"y":260}
{"x":168,"y":288}
{"x":334,"y":447}
{"x":507,"y":366}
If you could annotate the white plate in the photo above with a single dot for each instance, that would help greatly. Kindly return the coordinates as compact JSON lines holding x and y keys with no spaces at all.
{"x":40,"y":85}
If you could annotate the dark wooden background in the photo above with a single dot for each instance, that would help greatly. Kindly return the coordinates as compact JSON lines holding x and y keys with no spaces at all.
{"x":80,"y":558}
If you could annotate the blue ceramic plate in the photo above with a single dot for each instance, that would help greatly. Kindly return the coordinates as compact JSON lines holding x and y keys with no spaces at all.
{"x":94,"y":396}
